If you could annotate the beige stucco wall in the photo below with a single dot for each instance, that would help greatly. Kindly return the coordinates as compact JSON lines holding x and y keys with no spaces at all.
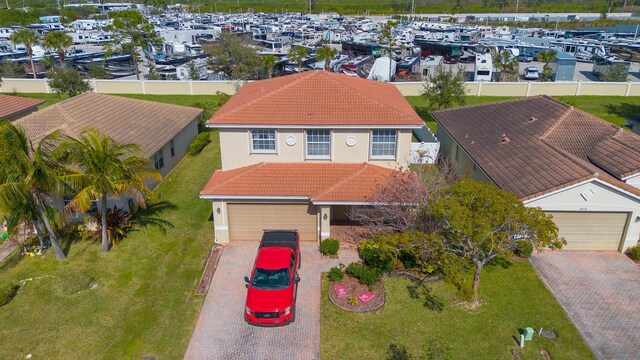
{"x":221,"y":222}
{"x":160,"y":87}
{"x":503,"y":89}
{"x":117,"y":86}
{"x":553,"y":88}
{"x":324,"y":221}
{"x":606,"y":199}
{"x":235,"y":148}
{"x":181,"y":143}
{"x":603,"y":88}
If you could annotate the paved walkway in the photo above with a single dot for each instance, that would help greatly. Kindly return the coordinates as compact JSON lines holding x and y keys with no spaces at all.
{"x":600,"y":291}
{"x":222,"y":333}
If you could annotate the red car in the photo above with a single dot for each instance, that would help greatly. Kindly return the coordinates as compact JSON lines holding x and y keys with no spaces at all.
{"x":272,"y":288}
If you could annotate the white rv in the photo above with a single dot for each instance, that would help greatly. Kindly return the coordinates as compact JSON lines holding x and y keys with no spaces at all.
{"x":484,"y":67}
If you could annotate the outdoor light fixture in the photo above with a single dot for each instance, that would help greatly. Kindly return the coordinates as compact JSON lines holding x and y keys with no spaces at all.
{"x":218,"y":210}
{"x":325,"y":216}
{"x":637,"y":218}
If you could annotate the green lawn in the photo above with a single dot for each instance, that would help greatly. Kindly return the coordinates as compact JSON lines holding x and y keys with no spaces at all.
{"x":143,"y":303}
{"x":513,"y":299}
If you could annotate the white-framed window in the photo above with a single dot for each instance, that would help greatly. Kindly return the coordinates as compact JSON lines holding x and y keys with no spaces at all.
{"x":173,"y":148}
{"x":263,"y":141}
{"x":158,"y":160}
{"x":318,"y":144}
{"x":383,"y":144}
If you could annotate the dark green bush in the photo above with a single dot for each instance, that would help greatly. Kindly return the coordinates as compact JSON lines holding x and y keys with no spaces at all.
{"x":329,"y":247}
{"x":367,"y":275}
{"x":336,"y":274}
{"x":634,"y":252}
{"x":8,"y":293}
{"x":524,"y":249}
{"x":199,"y":143}
{"x":376,"y":255}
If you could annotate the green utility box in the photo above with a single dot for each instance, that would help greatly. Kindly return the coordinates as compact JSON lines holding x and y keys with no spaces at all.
{"x":528,"y":334}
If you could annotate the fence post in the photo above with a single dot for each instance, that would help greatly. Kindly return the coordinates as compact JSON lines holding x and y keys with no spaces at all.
{"x":95,"y":85}
{"x":628,"y":89}
{"x":528,"y":88}
{"x":142,"y":87}
{"x":46,"y":86}
{"x":190,"y":87}
{"x":578,"y":87}
{"x":479,"y":92}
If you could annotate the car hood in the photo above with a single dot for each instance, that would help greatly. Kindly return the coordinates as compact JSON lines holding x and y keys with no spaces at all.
{"x":269,"y":300}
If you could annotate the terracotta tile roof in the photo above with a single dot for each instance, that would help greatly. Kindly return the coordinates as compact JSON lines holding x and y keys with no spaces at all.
{"x":318,"y":98}
{"x":11,"y":105}
{"x":149,"y":124}
{"x":320,"y":182}
{"x":551,"y":145}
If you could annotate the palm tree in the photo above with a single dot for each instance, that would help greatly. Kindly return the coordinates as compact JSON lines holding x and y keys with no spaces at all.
{"x":269,"y":61}
{"x":506,"y":63}
{"x":325,"y":54}
{"x":546,"y":57}
{"x":297,"y":54}
{"x":27,"y":176}
{"x":27,"y":38}
{"x":57,"y":41}
{"x":101,"y":167}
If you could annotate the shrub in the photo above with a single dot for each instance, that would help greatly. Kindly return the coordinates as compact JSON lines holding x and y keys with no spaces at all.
{"x":329,"y":247}
{"x":634,"y":252}
{"x":524,"y":249}
{"x":353,"y":300}
{"x":8,"y":293}
{"x":199,"y":143}
{"x":336,"y":274}
{"x":367,"y":275}
{"x":376,"y":254}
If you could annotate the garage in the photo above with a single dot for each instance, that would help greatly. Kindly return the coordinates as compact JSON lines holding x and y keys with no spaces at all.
{"x":591,"y":230}
{"x":247,"y":221}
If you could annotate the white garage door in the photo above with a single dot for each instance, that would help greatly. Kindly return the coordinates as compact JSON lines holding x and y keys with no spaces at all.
{"x":591,"y":230}
{"x":247,"y":221}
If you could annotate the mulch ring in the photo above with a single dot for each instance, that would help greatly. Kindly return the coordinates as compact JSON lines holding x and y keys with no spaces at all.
{"x":354,"y":288}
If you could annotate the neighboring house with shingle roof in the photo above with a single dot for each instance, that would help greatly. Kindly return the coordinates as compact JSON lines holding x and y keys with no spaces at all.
{"x":304,"y":151}
{"x":163,"y":131}
{"x":15,"y":107}
{"x":581,"y":169}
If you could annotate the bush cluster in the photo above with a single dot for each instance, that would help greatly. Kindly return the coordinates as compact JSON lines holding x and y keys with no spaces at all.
{"x":199,"y":143}
{"x":7,"y":293}
{"x":336,"y":274}
{"x":634,"y":252}
{"x":329,"y":247}
{"x":524,"y":249}
{"x":395,"y":251}
{"x":367,"y":275}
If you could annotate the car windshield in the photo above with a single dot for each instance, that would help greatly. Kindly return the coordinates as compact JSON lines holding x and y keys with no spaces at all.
{"x":271,"y":279}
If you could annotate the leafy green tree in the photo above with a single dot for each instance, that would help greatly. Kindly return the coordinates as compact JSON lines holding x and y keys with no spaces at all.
{"x":444,"y":89}
{"x":28,"y":175}
{"x":480,"y":222}
{"x":297,"y":54}
{"x":326,"y":53}
{"x":29,"y":39}
{"x":233,"y":56}
{"x":10,"y":69}
{"x":269,"y":61}
{"x":57,"y":41}
{"x":386,"y":35}
{"x":48,"y":62}
{"x":152,"y":73}
{"x":67,"y":81}
{"x":132,"y":30}
{"x":616,"y":72}
{"x":546,"y":57}
{"x":100,"y":168}
{"x":96,"y":70}
{"x":193,"y":72}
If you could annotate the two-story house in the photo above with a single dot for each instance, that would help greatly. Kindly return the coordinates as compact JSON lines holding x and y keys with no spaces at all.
{"x":302,"y":151}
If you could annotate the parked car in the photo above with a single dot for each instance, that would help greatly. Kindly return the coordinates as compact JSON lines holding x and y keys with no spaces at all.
{"x":272,"y":287}
{"x":525,"y":58}
{"x":531,"y":73}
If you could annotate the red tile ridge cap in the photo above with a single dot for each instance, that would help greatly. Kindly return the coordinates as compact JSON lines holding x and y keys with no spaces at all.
{"x":567,"y":155}
{"x":495,"y":103}
{"x":557,"y":123}
{"x":363,"y":167}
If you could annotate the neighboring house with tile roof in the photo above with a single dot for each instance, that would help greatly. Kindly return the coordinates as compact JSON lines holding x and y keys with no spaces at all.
{"x":304,"y":151}
{"x":581,"y":169}
{"x":163,"y":131}
{"x":15,"y":107}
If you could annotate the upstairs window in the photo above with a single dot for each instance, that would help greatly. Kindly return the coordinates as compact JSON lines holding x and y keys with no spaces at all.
{"x":383,"y":144}
{"x":158,"y":160}
{"x":173,"y":148}
{"x":318,"y":144}
{"x":263,"y":141}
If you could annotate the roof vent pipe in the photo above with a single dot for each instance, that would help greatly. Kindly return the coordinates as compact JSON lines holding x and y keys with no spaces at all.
{"x":533,"y":118}
{"x":505,"y":138}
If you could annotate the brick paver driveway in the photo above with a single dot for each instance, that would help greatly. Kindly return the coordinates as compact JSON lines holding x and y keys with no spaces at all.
{"x":221,"y":332}
{"x":600,"y":291}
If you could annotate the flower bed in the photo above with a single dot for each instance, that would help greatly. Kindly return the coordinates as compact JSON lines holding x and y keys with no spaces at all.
{"x":354,"y":288}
